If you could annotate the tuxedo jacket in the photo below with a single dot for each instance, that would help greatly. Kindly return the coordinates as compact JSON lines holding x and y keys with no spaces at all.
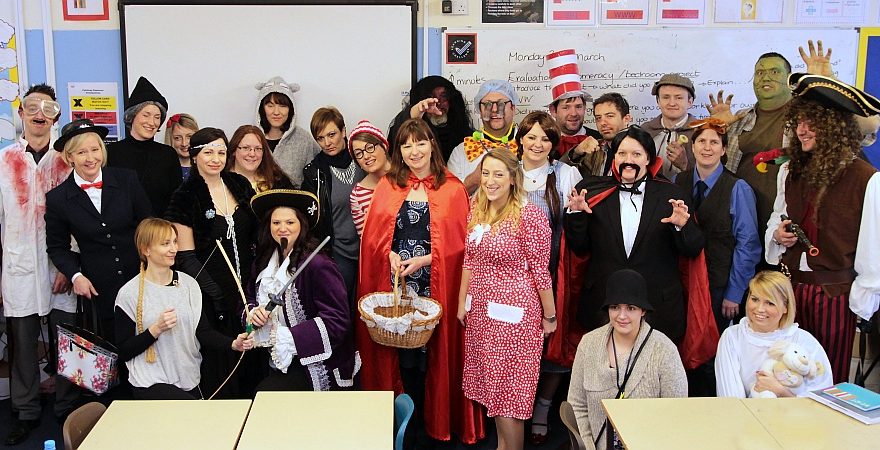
{"x":107,"y":254}
{"x":655,"y":254}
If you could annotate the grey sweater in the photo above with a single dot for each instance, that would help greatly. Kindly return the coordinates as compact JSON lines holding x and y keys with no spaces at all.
{"x":658,"y":373}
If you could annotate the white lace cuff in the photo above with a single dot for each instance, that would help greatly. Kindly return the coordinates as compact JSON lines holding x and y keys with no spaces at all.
{"x":284,"y":349}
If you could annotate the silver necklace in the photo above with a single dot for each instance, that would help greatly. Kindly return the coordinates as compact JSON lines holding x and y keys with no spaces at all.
{"x":347,"y":175}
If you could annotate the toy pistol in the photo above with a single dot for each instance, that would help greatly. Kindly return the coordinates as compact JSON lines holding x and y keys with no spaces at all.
{"x":801,"y":236}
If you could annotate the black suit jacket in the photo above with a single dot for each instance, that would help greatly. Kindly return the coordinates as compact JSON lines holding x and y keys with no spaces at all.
{"x":107,"y":254}
{"x":655,"y":255}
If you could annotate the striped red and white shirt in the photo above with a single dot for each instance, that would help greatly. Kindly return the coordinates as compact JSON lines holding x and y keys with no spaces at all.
{"x":360,"y":200}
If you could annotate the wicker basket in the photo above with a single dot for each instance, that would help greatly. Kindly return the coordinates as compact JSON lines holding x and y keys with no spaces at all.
{"x":416,"y":336}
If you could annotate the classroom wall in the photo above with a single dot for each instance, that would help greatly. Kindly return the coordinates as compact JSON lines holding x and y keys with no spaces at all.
{"x":90,"y":51}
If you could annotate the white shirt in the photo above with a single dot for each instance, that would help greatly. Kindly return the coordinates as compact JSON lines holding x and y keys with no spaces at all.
{"x":459,"y":165}
{"x":631,"y":216}
{"x":536,"y":179}
{"x":864,"y":295}
{"x":93,"y":193}
{"x":742,"y":351}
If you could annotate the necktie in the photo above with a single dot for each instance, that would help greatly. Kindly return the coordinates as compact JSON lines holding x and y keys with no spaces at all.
{"x":97,"y":185}
{"x":702,"y":187}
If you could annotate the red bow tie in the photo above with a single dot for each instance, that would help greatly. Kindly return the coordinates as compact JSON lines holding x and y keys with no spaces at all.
{"x":97,"y":185}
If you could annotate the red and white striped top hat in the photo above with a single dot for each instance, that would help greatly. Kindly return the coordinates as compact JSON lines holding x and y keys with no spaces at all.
{"x":565,"y":80}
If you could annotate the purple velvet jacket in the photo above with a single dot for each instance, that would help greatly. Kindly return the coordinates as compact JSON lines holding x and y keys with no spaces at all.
{"x":318,"y":315}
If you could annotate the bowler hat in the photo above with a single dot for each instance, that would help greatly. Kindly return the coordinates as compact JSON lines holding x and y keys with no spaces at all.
{"x":76,"y":128}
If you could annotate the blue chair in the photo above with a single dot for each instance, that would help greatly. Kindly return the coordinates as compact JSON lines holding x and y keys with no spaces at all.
{"x":403,"y":411}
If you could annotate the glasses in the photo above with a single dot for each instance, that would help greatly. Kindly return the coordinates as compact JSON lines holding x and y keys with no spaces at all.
{"x":249,"y":149}
{"x":499,"y":104}
{"x":369,"y":148}
{"x":50,"y":108}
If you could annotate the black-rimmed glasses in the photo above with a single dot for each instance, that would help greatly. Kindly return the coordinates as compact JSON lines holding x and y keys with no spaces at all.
{"x":369,"y":148}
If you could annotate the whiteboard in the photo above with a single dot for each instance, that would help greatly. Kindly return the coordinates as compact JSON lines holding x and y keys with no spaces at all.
{"x":206,"y":59}
{"x":630,"y":61}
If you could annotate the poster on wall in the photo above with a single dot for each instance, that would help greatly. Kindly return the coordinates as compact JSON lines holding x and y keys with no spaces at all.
{"x":566,"y":13}
{"x":681,"y":12}
{"x":749,"y":11}
{"x":624,"y":12}
{"x":8,"y":74}
{"x":513,"y":11}
{"x":85,"y":10}
{"x":830,"y":11}
{"x":95,"y":101}
{"x":461,"y":48}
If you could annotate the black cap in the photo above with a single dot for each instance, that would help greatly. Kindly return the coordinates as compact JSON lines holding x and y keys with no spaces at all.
{"x":833,"y":94}
{"x":76,"y":128}
{"x":304,"y":201}
{"x":627,"y":287}
{"x":144,"y":91}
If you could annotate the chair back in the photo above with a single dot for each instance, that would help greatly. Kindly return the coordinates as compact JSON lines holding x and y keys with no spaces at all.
{"x":80,"y":422}
{"x":566,"y":413}
{"x":403,"y":411}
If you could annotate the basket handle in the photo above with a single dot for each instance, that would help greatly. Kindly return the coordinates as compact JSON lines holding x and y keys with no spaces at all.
{"x":394,"y":290}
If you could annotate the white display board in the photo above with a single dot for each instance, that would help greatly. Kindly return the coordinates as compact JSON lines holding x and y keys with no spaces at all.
{"x":205,"y":59}
{"x":630,"y":61}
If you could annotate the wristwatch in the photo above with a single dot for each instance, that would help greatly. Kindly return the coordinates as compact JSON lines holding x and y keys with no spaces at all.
{"x":550,"y":319}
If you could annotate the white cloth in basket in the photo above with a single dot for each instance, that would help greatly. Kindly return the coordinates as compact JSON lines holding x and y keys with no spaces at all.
{"x":425,"y":310}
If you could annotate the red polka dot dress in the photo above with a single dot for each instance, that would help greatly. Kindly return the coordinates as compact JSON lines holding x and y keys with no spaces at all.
{"x":504,"y":335}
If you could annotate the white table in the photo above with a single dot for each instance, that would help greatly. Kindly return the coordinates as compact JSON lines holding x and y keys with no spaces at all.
{"x":320,"y":420}
{"x":169,"y":424}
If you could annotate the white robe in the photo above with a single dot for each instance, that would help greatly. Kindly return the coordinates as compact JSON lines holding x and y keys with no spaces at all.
{"x":742,"y":351}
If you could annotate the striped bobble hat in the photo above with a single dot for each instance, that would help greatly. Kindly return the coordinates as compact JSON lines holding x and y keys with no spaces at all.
{"x":364,"y":126}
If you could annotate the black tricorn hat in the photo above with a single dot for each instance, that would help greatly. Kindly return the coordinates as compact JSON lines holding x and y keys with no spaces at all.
{"x":627,"y":287}
{"x":304,"y":201}
{"x":144,"y":91}
{"x":76,"y":128}
{"x":833,"y":94}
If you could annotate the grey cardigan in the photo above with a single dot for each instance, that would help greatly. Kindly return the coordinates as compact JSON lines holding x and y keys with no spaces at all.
{"x":658,"y":373}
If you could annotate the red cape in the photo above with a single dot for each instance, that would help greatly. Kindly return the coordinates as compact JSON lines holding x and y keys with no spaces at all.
{"x":446,"y":410}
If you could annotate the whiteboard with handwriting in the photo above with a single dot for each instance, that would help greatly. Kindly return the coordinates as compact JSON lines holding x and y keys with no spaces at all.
{"x":630,"y":61}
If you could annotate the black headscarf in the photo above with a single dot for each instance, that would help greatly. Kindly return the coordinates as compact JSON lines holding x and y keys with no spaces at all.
{"x":459,"y":118}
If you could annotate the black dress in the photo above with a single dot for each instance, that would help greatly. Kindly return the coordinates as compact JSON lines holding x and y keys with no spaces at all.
{"x":156,"y":164}
{"x":193,"y":206}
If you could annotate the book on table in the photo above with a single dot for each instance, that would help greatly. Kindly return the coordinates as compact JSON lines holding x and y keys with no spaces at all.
{"x":855,"y":401}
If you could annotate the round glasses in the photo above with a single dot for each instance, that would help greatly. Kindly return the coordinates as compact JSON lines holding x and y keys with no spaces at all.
{"x":369,"y":148}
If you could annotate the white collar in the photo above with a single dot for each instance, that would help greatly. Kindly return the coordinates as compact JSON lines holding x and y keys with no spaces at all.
{"x":766,"y":339}
{"x":79,"y":180}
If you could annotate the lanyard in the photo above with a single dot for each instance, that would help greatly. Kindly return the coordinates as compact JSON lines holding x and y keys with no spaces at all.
{"x":621,"y":393}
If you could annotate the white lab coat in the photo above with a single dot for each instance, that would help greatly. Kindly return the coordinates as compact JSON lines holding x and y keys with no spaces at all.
{"x":27,"y":274}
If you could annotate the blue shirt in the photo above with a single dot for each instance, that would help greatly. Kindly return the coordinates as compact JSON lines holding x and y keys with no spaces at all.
{"x":747,"y":250}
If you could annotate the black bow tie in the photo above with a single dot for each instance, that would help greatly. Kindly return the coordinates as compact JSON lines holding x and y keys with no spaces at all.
{"x":631,"y":188}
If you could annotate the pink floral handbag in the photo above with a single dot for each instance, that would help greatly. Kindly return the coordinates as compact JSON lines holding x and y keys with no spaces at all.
{"x":86,"y":359}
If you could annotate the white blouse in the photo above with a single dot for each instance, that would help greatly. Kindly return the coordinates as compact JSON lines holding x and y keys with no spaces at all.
{"x":742,"y":351}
